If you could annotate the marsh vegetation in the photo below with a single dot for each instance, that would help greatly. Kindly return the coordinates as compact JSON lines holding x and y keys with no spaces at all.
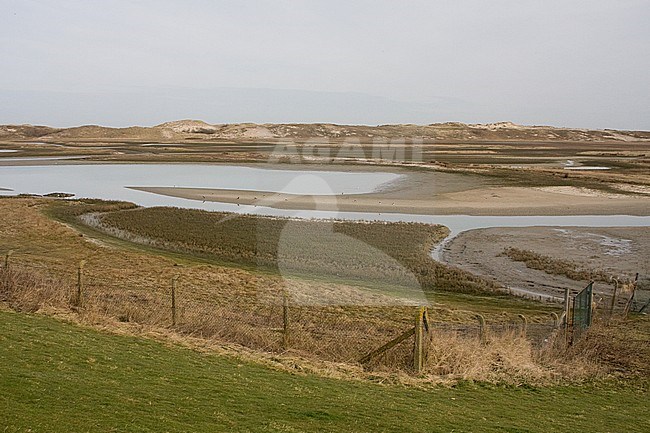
{"x":567,"y":268}
{"x":374,"y":252}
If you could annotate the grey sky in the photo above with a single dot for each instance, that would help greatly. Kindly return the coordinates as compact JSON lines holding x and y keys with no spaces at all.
{"x":560,"y":62}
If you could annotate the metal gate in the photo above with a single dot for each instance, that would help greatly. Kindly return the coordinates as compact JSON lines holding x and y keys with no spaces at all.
{"x":582,"y":310}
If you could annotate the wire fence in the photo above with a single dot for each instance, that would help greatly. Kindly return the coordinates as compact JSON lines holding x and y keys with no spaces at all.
{"x":272,"y":323}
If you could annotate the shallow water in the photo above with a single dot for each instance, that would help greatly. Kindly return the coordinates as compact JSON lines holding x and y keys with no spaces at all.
{"x":109,"y":181}
{"x":586,"y":167}
{"x":163,"y":144}
{"x":36,"y":159}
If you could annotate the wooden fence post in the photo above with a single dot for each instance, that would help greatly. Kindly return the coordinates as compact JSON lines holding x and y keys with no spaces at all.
{"x":567,"y":304}
{"x":524,"y":325}
{"x":418,"y":350}
{"x":174,"y":280}
{"x":592,"y":305}
{"x":628,"y":305}
{"x":613,"y":304}
{"x":481,"y":328}
{"x":9,"y":253}
{"x":80,"y":284}
{"x":285,"y":320}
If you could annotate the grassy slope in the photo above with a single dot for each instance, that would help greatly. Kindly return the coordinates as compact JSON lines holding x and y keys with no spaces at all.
{"x":56,"y":377}
{"x":37,"y":239}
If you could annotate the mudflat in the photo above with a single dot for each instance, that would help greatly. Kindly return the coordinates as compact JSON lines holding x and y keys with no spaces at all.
{"x":617,"y":251}
{"x":437,"y":193}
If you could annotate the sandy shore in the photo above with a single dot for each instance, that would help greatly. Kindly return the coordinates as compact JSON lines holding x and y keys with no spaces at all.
{"x":433,"y":200}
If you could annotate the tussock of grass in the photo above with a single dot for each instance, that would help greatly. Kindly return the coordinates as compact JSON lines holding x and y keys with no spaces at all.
{"x":503,"y":357}
{"x":27,"y":291}
{"x":620,"y":348}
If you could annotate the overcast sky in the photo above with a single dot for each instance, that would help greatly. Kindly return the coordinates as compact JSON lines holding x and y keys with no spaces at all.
{"x":558,"y":62}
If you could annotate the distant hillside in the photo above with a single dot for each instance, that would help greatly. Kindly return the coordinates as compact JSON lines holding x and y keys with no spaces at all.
{"x":196,"y":129}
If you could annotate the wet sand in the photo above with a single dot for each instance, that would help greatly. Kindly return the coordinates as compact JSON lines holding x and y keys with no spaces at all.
{"x":419,"y":197}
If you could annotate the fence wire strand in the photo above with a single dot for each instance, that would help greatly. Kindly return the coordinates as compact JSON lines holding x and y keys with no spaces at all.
{"x":328,"y":333}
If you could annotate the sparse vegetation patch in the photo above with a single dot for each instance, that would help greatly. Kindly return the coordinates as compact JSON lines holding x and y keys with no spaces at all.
{"x":553,"y":266}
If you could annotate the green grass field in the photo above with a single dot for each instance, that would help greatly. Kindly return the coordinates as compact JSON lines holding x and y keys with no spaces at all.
{"x":57,"y":377}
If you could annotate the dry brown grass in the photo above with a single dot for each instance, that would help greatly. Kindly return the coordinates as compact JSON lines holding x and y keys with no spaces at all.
{"x":335,"y":334}
{"x":620,"y":348}
{"x":503,"y":357}
{"x":341,"y":334}
{"x":329,"y":335}
{"x":225,"y":307}
{"x":26,"y":291}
